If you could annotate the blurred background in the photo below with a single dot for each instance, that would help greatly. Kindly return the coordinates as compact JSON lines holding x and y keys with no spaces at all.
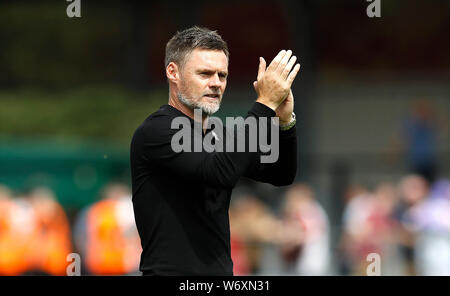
{"x":372,"y":101}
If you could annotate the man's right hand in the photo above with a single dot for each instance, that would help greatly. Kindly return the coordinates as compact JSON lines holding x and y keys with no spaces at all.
{"x":274,"y":83}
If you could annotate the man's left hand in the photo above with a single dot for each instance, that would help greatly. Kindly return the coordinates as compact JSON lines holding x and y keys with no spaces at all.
{"x":284,"y":111}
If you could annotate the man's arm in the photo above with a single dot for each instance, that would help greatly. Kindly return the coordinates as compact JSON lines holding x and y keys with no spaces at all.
{"x":283,"y":171}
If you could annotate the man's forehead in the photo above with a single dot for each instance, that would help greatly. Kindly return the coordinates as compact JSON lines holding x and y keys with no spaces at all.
{"x":207,"y":58}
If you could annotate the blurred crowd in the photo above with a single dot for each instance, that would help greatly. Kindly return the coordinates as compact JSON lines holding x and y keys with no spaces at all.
{"x":407,"y":224}
{"x":36,"y":236}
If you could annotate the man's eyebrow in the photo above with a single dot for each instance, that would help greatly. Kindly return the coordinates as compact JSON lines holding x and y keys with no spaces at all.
{"x":211,"y":71}
{"x":205,"y":70}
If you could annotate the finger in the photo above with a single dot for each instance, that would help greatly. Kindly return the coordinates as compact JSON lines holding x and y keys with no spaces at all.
{"x":292,"y":75}
{"x":284,"y":61}
{"x":274,"y":64}
{"x":255,"y":85}
{"x":290,"y":96}
{"x":261,"y":68}
{"x":288,"y":67}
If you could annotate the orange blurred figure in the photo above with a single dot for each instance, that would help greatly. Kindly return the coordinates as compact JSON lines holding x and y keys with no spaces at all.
{"x":52,"y":235}
{"x":112,"y":241}
{"x":16,"y":228}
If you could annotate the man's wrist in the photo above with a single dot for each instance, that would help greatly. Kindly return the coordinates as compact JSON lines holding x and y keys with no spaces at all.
{"x":284,"y":126}
{"x":267,"y":102}
{"x":285,"y":121}
{"x":260,"y":110}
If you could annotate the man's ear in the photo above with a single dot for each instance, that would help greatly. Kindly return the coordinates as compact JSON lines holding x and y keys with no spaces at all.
{"x":172,"y":72}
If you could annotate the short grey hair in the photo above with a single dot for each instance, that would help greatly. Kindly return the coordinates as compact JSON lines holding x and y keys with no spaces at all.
{"x":184,"y":42}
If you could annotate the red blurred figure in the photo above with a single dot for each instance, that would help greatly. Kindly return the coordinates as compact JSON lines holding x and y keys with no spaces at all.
{"x":251,"y":225}
{"x":370,"y":227}
{"x":305,"y":233}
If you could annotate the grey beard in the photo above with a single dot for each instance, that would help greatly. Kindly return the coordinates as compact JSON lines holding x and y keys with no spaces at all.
{"x":206,"y":109}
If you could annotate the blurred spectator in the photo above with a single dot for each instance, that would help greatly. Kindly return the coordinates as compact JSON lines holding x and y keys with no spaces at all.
{"x":264,"y":244}
{"x":370,"y":227}
{"x":239,"y":249}
{"x":106,"y":234}
{"x":18,"y":227}
{"x":354,"y":191}
{"x":386,"y":228}
{"x":344,"y":255}
{"x":430,"y":220}
{"x":51,"y":240}
{"x":251,"y":226}
{"x":305,"y":233}
{"x":14,"y":228}
{"x":354,"y":246}
{"x":418,"y":138}
{"x":34,"y":234}
{"x":413,"y":189}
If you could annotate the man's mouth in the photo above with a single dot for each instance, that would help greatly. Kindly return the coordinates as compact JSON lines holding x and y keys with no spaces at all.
{"x":213,"y":96}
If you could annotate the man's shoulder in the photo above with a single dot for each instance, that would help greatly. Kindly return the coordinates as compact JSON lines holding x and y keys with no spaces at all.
{"x":157,"y":123}
{"x":160,"y":116}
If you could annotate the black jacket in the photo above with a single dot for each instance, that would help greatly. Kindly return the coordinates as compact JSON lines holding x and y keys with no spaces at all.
{"x":181,"y":200}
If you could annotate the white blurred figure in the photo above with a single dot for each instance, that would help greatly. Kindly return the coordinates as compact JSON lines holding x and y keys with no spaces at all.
{"x":355,"y":242}
{"x":430,"y":219}
{"x":387,"y":230}
{"x":305,"y":233}
{"x":413,"y":189}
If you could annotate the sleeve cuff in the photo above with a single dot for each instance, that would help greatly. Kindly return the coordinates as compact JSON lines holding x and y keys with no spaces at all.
{"x":292,"y":132}
{"x":261,"y":110}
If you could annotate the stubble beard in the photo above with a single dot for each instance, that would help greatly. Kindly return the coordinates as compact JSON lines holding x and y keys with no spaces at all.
{"x":207,"y":108}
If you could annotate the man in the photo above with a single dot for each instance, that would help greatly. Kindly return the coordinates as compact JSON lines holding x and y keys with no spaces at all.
{"x":181,"y":199}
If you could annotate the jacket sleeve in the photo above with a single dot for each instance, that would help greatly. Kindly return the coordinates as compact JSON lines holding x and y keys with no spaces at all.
{"x":283,"y":171}
{"x":215,"y":168}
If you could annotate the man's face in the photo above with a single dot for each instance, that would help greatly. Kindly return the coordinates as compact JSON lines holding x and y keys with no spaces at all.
{"x":203,"y":79}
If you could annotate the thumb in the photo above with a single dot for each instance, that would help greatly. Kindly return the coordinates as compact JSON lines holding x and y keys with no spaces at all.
{"x":262,"y":68}
{"x":255,"y":86}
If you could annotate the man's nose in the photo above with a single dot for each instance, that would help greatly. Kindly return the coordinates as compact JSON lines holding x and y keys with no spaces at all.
{"x":215,"y":82}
